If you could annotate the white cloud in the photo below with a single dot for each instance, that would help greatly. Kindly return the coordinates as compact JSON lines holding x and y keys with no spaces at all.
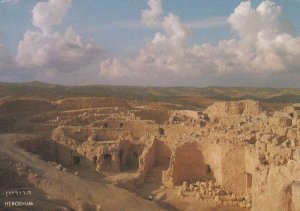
{"x":156,"y":54}
{"x":49,"y":54}
{"x":152,"y":17}
{"x":47,"y":14}
{"x":55,"y":52}
{"x":260,"y":48}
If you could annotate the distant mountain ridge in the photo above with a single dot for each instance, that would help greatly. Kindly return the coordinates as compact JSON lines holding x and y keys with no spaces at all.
{"x":166,"y":94}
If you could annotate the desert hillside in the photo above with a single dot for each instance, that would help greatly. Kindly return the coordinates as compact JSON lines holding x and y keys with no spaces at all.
{"x":189,"y":97}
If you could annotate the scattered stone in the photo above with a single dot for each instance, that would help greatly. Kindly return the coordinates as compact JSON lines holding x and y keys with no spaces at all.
{"x":59,"y":167}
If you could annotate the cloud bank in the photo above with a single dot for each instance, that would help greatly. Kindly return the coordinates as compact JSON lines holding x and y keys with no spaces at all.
{"x":262,"y":48}
{"x":49,"y":54}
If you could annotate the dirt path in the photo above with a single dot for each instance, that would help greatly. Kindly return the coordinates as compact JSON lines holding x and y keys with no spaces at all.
{"x":74,"y":190}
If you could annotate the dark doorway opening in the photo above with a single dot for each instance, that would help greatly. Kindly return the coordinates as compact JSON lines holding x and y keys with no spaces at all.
{"x":208,"y":169}
{"x":134,"y":161}
{"x":107,"y":158}
{"x":121,"y":159}
{"x":76,"y":160}
{"x":94,"y":159}
{"x":161,"y":131}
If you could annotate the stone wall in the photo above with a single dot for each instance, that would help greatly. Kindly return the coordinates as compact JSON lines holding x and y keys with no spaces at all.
{"x":140,"y":128}
{"x":233,"y":168}
{"x":212,"y":157}
{"x":193,"y":162}
{"x":146,"y":162}
{"x":273,"y":188}
{"x":230,"y":108}
{"x":189,"y":164}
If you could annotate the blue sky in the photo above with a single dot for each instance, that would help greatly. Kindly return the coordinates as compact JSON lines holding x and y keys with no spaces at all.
{"x":98,"y":19}
{"x":116,"y":28}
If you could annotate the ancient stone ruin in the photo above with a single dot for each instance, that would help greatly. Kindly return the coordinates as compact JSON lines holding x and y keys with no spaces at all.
{"x":233,"y":155}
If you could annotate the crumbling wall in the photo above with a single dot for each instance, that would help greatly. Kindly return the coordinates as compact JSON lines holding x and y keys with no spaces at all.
{"x":212,"y":157}
{"x":134,"y":153}
{"x":140,"y":128}
{"x":162,"y":154}
{"x":295,"y":195}
{"x":194,"y":162}
{"x":189,"y":164}
{"x":146,"y":162}
{"x":156,"y":154}
{"x":233,"y":168}
{"x":273,"y":188}
{"x":251,"y":159}
{"x":243,"y":107}
{"x":112,"y":134}
{"x":123,"y":156}
{"x":59,"y":135}
{"x":174,"y":131}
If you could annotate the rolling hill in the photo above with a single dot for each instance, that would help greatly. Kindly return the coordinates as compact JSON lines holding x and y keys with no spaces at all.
{"x":191,"y":96}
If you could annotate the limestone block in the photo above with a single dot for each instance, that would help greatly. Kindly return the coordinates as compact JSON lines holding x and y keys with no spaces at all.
{"x":284,"y":152}
{"x":296,"y":195}
{"x":296,"y":114}
{"x":261,"y":145}
{"x":283,"y":122}
{"x":273,"y":128}
{"x":281,"y":114}
{"x":296,"y":106}
{"x":289,"y":109}
{"x":292,"y":133}
{"x":281,"y":131}
{"x":296,"y":154}
{"x":266,"y":138}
